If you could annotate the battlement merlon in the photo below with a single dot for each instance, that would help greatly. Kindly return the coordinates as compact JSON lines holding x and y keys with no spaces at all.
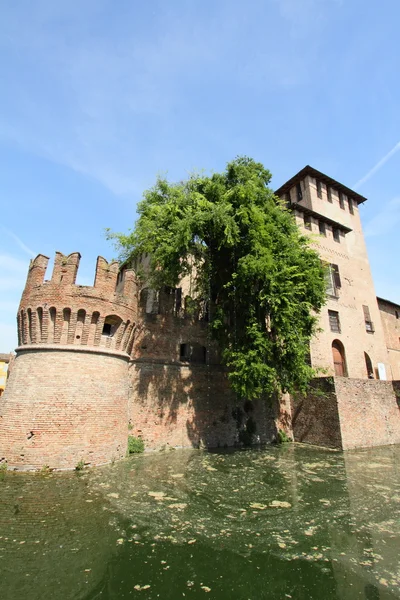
{"x":109,"y":278}
{"x":37,"y":270}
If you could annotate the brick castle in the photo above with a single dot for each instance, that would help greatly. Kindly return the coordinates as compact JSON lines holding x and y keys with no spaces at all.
{"x":96,"y":363}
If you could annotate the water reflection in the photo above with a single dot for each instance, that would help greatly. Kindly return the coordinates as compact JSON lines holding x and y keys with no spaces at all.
{"x":283,"y":522}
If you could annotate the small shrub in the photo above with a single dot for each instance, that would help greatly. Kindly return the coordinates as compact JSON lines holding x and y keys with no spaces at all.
{"x":135,"y":445}
{"x":283,"y":438}
{"x":80,"y":466}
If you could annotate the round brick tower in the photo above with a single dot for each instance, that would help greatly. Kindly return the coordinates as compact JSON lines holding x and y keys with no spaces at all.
{"x":66,"y":399}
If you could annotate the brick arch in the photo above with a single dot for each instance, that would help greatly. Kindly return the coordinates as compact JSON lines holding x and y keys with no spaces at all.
{"x":66,"y":320}
{"x":79,"y":326}
{"x":39,"y":324}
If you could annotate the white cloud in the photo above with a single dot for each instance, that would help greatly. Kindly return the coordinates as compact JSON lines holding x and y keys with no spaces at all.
{"x":93,"y":101}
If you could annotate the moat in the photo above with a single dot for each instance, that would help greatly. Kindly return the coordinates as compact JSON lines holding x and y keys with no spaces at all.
{"x":281,"y":522}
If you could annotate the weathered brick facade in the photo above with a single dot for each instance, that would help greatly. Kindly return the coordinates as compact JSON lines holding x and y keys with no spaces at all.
{"x":95,"y":363}
{"x":66,"y":398}
{"x":348,"y":413}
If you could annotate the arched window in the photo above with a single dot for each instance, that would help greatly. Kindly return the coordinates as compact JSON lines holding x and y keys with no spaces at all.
{"x":339,"y":359}
{"x":368,"y":366}
{"x":111,"y":325}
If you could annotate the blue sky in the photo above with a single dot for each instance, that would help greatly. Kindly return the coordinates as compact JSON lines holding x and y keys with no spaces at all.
{"x":99,"y":96}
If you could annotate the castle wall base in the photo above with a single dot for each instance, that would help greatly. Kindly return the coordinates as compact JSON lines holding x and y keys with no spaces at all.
{"x":345,"y":413}
{"x":178,"y":406}
{"x":64,"y":405}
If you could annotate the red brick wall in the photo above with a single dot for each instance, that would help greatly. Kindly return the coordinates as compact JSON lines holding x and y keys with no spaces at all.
{"x":58,"y":311}
{"x":369,"y":412}
{"x":315,"y":417}
{"x":348,"y":413}
{"x":73,"y":402}
{"x":190,"y":406}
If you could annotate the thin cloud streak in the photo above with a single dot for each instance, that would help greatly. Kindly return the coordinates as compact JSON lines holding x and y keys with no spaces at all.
{"x":20,"y":243}
{"x":378,"y":165}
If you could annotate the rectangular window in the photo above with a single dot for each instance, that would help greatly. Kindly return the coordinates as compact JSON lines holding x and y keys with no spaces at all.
{"x":288,"y":199}
{"x":396,"y":312}
{"x":329,"y":193}
{"x":184,"y":352}
{"x":351,"y":206}
{"x":307,"y":222}
{"x":341,"y":200}
{"x":332,"y":279}
{"x":334,"y":322}
{"x":322,"y":228}
{"x":319,"y":189}
{"x":369,"y":326}
{"x":336,"y":234}
{"x":299,"y":192}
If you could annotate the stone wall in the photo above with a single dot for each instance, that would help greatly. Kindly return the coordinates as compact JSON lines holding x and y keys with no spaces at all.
{"x":315,"y":417}
{"x":62,"y":406}
{"x":390,"y":316}
{"x":348,"y":413}
{"x":174,"y":405}
{"x":369,"y":413}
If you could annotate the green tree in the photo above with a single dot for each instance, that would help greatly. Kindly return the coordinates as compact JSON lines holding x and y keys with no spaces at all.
{"x":245,"y":253}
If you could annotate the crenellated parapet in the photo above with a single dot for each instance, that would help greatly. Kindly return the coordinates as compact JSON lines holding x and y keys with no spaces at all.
{"x":58,"y":311}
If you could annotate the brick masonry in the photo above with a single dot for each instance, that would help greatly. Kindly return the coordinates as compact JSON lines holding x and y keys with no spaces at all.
{"x":93,"y":359}
{"x":64,"y":406}
{"x":348,"y":413}
{"x":192,"y":406}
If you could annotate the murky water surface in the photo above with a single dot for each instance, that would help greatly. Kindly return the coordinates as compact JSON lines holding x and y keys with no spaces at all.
{"x":284,"y":522}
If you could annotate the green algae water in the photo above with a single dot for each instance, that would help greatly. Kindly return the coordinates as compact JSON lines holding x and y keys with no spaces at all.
{"x":281,"y":522}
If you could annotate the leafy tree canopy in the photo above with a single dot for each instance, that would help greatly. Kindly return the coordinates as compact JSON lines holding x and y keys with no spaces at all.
{"x":246,"y":254}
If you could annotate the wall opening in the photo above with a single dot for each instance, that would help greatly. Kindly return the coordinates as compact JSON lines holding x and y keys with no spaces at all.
{"x":339,"y":359}
{"x":368,"y":366}
{"x":194,"y":353}
{"x":111,"y":325}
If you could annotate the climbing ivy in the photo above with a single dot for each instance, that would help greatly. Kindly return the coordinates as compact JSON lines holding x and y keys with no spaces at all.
{"x":242,"y":247}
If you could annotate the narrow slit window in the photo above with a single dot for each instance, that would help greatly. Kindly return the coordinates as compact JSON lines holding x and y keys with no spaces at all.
{"x":329,"y":193}
{"x":351,"y":206}
{"x":299,"y":192}
{"x":341,"y":200}
{"x":322,"y":228}
{"x":319,"y":189}
{"x":336,"y":234}
{"x":307,"y":222}
{"x":369,"y":326}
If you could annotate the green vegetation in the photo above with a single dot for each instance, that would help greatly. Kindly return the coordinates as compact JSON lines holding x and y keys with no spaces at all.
{"x":251,"y":265}
{"x":135,"y":445}
{"x":283,"y":438}
{"x":80,"y":466}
